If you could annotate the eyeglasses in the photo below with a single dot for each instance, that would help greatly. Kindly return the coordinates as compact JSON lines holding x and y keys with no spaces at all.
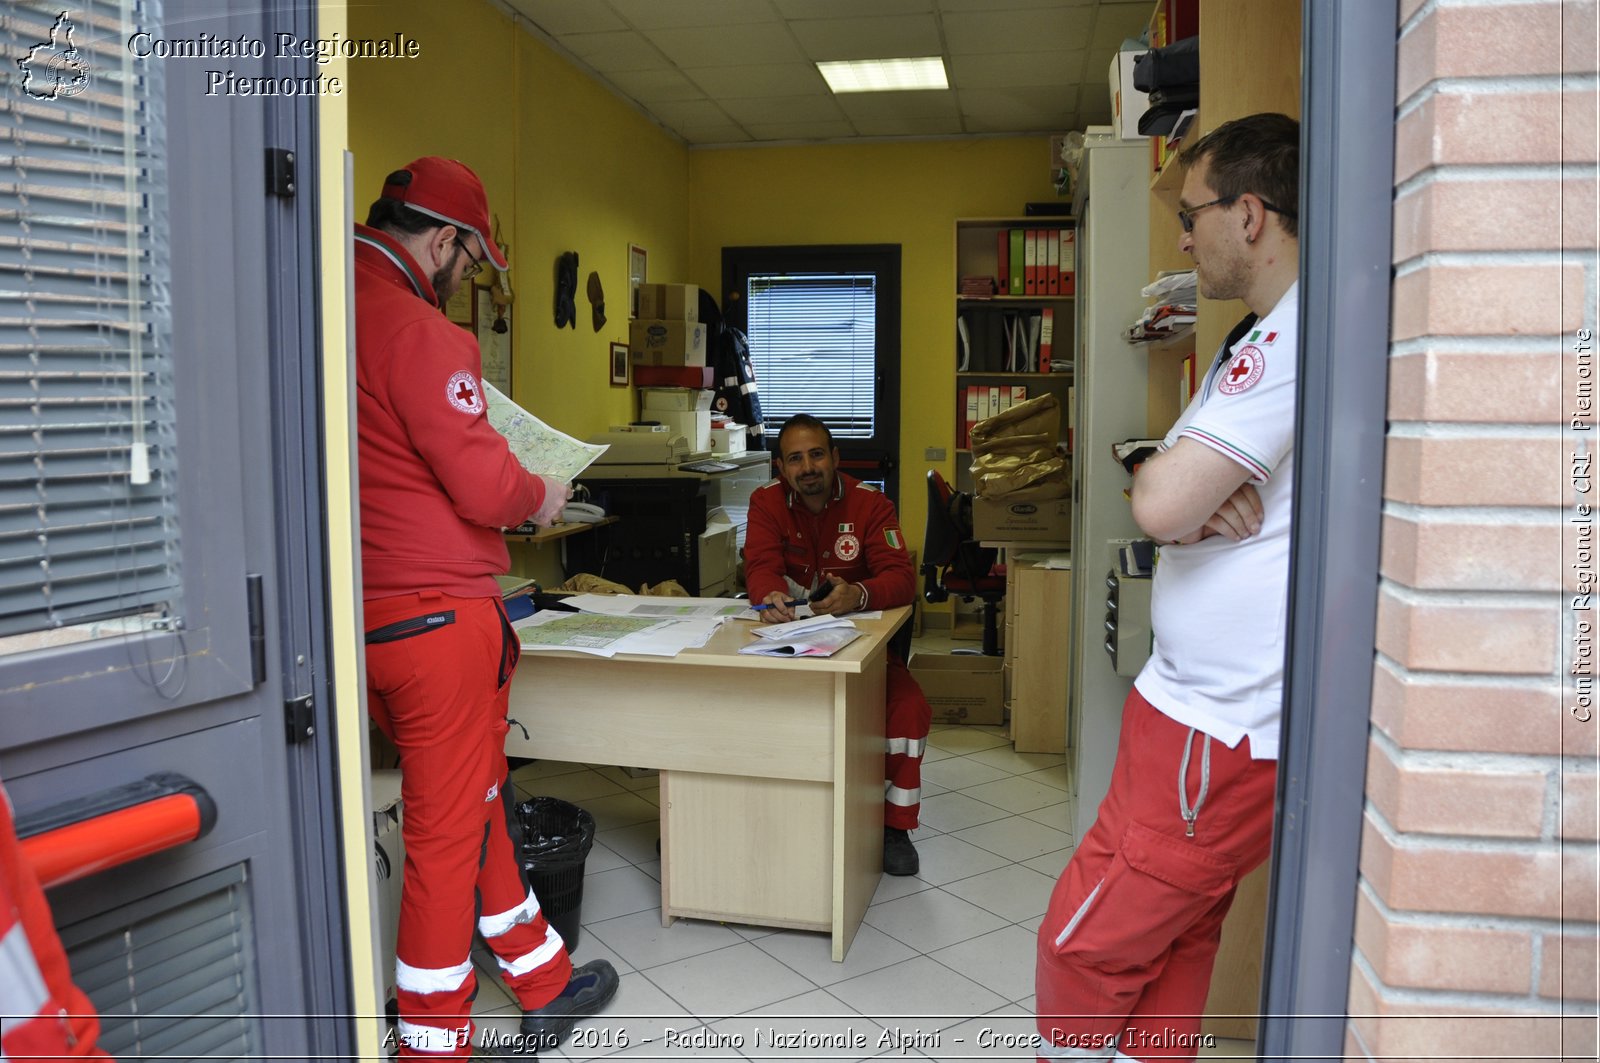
{"x":1186,"y":217}
{"x":477,"y":264}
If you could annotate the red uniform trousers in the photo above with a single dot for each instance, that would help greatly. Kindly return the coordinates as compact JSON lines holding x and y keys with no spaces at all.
{"x":1127,"y":946}
{"x":440,"y":695}
{"x":46,"y":1016}
{"x":907,"y":716}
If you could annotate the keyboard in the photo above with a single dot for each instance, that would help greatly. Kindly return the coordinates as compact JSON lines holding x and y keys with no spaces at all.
{"x":708,"y":466}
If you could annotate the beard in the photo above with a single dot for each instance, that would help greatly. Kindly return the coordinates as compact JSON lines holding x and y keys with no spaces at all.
{"x":1222,"y":276}
{"x":444,"y":278}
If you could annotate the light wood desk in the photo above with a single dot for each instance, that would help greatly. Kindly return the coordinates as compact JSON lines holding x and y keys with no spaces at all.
{"x":771,"y":768}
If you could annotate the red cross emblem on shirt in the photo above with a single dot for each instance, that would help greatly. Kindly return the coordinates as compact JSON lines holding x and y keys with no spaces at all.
{"x":1246,"y":367}
{"x":462,"y":391}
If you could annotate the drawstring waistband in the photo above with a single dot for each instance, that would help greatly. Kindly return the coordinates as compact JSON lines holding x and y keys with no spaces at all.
{"x":1191,"y":814}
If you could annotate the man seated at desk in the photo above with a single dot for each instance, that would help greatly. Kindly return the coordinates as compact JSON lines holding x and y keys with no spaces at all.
{"x":815,"y":527}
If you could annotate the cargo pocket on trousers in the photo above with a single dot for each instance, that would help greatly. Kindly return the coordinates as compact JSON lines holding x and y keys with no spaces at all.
{"x":1155,"y":887}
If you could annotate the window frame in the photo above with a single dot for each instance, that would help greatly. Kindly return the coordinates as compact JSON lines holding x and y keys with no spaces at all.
{"x":877,"y":457}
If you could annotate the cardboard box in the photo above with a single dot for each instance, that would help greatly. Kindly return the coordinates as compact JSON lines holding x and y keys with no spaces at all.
{"x":674,"y":399}
{"x":1049,"y":521}
{"x":962,"y":687}
{"x":674,"y":376}
{"x":729,"y":440}
{"x":1127,"y":102}
{"x":656,"y":342}
{"x":670,"y":302}
{"x":693,"y":425}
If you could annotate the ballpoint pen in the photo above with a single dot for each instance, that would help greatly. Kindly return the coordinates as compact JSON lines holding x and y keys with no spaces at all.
{"x":768,"y":605}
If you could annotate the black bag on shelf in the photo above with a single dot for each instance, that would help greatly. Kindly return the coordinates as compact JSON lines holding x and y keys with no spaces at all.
{"x":1176,"y":64}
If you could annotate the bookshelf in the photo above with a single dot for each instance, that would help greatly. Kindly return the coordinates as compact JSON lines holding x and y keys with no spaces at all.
{"x":992,"y":342}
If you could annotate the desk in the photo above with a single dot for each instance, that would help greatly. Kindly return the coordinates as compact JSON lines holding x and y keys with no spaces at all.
{"x":771,"y":768}
{"x":557,"y":531}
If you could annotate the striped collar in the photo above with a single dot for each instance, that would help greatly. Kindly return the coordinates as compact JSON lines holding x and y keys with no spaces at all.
{"x":376,"y":247}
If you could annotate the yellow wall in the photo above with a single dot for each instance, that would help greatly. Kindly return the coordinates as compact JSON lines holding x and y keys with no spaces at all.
{"x":568,"y":167}
{"x":892,"y":193}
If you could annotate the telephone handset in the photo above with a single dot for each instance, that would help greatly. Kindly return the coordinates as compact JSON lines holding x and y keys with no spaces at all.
{"x":581,"y":513}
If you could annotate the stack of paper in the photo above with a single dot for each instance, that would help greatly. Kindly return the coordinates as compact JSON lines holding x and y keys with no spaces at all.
{"x":815,"y":636}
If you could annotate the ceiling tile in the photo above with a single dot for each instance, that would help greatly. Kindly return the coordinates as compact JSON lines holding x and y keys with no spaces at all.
{"x":556,"y":17}
{"x":802,"y":130}
{"x":750,"y":113}
{"x":679,"y":114}
{"x":612,"y":52}
{"x":677,"y":14}
{"x":886,"y":37}
{"x":1003,"y":5}
{"x":877,"y":106}
{"x":907,"y":127}
{"x":715,"y":134}
{"x":648,"y":86}
{"x":1015,"y":103}
{"x":1059,"y":122}
{"x":793,"y":9}
{"x":728,"y":46}
{"x":1038,"y":30}
{"x":1016,"y":69}
{"x":781,"y":79}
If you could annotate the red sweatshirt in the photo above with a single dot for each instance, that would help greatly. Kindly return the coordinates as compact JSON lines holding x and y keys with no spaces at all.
{"x":855,"y":539}
{"x":437,"y":483}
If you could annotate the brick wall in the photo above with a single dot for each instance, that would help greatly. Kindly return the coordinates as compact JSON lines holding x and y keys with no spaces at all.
{"x":1476,"y":909}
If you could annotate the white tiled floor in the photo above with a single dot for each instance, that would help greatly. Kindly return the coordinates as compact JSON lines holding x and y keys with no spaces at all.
{"x":940,"y":958}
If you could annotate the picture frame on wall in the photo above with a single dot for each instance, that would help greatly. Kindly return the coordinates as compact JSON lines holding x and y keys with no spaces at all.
{"x":636,"y":276}
{"x":619,"y":365}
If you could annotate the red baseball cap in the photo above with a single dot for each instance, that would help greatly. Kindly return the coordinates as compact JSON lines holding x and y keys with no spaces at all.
{"x":450,"y":191}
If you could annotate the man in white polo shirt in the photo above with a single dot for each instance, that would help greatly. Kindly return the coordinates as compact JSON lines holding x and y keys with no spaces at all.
{"x":1126,"y":949}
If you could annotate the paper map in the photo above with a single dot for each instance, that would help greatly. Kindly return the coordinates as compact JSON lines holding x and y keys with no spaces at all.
{"x":580,"y":631}
{"x":540,"y":448}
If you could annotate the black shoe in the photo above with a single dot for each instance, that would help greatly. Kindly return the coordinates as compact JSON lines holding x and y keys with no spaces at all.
{"x":588,"y":991}
{"x":899,"y":855}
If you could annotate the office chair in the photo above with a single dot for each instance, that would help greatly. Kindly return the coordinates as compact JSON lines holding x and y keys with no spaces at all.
{"x":954,"y":563}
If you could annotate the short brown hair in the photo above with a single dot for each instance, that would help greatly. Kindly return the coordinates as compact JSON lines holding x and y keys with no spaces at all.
{"x":1259,"y":154}
{"x":803,"y":420}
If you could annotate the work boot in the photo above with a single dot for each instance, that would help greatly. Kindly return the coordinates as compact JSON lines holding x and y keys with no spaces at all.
{"x":899,"y":855}
{"x":589,"y":989}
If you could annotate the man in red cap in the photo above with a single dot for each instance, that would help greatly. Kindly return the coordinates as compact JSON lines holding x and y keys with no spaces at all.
{"x":437,"y":486}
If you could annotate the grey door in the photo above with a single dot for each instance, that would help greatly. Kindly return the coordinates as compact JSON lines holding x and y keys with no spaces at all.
{"x":161,"y":585}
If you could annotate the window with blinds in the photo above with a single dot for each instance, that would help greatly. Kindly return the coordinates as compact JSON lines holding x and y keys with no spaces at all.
{"x":88,"y":507}
{"x":813,"y":341}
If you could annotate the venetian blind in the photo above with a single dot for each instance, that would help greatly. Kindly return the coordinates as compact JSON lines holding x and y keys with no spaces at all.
{"x":813,"y":341}
{"x":88,"y":513}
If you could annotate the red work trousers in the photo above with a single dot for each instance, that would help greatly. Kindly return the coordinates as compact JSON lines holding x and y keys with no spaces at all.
{"x":438,"y":676}
{"x":907,"y":716}
{"x":1127,"y":946}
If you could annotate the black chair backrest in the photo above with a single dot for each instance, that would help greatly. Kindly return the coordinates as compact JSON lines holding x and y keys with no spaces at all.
{"x":949,"y":542}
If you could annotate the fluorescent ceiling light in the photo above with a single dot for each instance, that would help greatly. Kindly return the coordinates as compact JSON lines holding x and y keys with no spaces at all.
{"x":885,"y":75}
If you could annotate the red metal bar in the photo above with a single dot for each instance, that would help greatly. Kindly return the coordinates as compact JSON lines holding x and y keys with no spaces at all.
{"x":86,"y":837}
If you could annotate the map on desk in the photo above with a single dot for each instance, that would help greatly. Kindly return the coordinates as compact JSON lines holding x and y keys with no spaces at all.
{"x":608,"y":635}
{"x":540,"y":448}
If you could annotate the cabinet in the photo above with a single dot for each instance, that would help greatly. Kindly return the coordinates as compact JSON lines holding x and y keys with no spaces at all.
{"x":1038,"y":632}
{"x":999,"y":338}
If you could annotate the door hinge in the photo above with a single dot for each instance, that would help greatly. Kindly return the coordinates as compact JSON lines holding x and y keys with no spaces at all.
{"x":258,"y":629}
{"x":280,"y":172}
{"x":297,"y":714}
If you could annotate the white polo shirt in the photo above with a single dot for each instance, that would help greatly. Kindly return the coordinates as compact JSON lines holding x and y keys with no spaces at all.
{"x":1220,"y":608}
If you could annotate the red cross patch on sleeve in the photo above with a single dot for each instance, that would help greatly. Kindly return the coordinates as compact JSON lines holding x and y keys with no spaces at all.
{"x":1243,"y":371}
{"x":465,"y":393}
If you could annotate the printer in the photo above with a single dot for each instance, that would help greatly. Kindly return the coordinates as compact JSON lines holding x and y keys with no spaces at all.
{"x":649,"y":452}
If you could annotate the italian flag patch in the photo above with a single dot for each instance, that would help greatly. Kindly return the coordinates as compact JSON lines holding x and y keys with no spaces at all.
{"x":1256,"y":337}
{"x":892,"y":537}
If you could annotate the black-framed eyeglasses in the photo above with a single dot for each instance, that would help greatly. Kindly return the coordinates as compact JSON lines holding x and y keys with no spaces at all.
{"x":1186,"y":217}
{"x":477,"y":264}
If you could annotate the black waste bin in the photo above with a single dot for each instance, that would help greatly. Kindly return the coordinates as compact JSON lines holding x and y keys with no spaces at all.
{"x":556,"y":838}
